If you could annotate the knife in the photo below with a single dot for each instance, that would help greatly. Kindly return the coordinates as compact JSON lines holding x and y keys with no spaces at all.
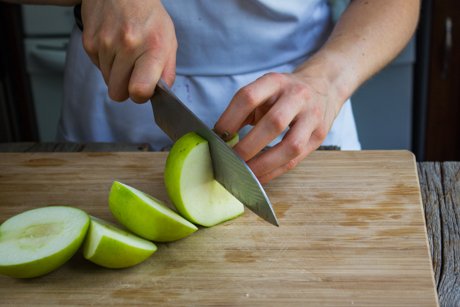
{"x":176,"y":120}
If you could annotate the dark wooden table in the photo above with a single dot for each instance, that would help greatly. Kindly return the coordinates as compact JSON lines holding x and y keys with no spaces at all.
{"x":439,"y":186}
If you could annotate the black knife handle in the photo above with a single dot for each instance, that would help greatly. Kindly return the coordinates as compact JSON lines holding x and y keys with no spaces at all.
{"x":77,"y":15}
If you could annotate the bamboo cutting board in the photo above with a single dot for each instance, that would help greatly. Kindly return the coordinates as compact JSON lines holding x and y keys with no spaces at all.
{"x":352,"y":233}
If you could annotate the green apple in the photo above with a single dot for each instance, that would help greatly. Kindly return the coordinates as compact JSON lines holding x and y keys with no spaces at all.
{"x":110,"y":246}
{"x":39,"y":241}
{"x":235,"y":139}
{"x":189,"y":180}
{"x":147,"y":216}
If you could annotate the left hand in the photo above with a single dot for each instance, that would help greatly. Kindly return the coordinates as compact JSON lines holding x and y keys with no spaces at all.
{"x":368,"y":35}
{"x":271,"y":104}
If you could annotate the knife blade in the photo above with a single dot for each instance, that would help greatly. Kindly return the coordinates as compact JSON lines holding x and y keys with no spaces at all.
{"x":176,"y":120}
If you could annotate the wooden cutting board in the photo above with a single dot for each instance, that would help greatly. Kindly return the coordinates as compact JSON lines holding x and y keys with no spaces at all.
{"x":352,"y":233}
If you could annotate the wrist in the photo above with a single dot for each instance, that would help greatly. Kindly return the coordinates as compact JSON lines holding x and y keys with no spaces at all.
{"x":328,"y":74}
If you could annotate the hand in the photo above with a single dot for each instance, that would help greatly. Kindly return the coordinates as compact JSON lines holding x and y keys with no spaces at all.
{"x":271,"y":104}
{"x":368,"y":35}
{"x":133,"y":43}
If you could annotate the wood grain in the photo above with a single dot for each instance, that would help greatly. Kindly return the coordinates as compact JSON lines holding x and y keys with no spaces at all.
{"x":352,"y":233}
{"x":440,"y":189}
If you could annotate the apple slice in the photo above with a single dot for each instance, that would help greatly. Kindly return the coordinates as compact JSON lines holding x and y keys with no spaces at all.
{"x":39,"y":241}
{"x":147,"y":216}
{"x":189,"y":180}
{"x":110,"y":246}
{"x":235,"y":139}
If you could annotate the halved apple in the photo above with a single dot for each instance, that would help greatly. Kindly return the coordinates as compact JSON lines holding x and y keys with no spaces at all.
{"x":189,"y":180}
{"x":110,"y":246}
{"x":39,"y":241}
{"x":147,"y":216}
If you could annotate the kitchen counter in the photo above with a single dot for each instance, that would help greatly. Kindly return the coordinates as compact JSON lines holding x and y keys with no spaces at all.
{"x":440,"y":192}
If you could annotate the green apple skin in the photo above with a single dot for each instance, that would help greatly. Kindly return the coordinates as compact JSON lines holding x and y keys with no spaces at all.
{"x":148,"y":218}
{"x":211,"y":204}
{"x":45,"y":265}
{"x":114,"y":247}
{"x":233,"y":141}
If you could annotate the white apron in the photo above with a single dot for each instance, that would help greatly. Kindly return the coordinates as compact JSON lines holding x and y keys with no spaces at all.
{"x":223,"y":46}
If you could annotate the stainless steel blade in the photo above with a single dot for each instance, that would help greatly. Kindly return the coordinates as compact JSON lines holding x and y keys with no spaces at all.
{"x":176,"y":120}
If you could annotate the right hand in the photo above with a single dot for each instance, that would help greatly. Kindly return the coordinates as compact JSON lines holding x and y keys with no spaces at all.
{"x":133,"y":43}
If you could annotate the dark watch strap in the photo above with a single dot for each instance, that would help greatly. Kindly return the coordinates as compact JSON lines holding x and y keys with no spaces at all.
{"x":77,"y":14}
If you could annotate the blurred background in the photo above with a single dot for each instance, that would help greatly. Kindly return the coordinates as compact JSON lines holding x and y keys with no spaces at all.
{"x":413,"y":104}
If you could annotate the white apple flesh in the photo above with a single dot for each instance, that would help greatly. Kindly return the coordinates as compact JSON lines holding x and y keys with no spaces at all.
{"x":110,"y":246}
{"x":147,"y":216}
{"x":189,"y":180}
{"x":39,"y":241}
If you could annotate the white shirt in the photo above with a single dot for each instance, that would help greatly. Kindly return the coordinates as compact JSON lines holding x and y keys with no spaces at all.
{"x":222,"y":46}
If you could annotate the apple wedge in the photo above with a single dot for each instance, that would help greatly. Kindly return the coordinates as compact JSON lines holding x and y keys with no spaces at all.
{"x":110,"y":246}
{"x":39,"y":241}
{"x":147,"y":216}
{"x":189,"y":180}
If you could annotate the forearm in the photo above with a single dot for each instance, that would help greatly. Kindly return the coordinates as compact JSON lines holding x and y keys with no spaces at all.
{"x":369,"y":34}
{"x":48,"y":2}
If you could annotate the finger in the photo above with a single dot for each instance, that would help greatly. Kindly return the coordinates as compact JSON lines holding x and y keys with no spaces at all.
{"x":246,"y":100}
{"x":106,"y":53}
{"x":145,"y":75}
{"x":89,"y":40}
{"x":120,"y":74}
{"x":90,"y":48}
{"x":294,"y":143}
{"x":313,"y":143}
{"x":105,"y":65}
{"x":169,"y":72}
{"x":278,"y":118}
{"x":282,"y":169}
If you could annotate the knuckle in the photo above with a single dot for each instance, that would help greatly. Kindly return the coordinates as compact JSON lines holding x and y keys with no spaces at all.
{"x":290,"y":165}
{"x":156,"y":42}
{"x":320,"y":134}
{"x":104,"y":39}
{"x":277,"y":77}
{"x":139,"y":91}
{"x":261,"y":169}
{"x":89,"y":44}
{"x":316,"y":112}
{"x":171,"y":75}
{"x":243,"y":151}
{"x":278,"y":122}
{"x":223,"y":124}
{"x":106,"y":43}
{"x":248,"y":97}
{"x":296,"y":147}
{"x":301,"y":91}
{"x":130,"y":40}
